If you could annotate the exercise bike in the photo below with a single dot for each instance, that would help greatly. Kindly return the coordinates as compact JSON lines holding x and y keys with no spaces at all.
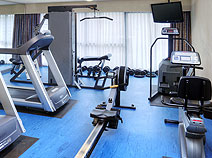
{"x":194,"y":93}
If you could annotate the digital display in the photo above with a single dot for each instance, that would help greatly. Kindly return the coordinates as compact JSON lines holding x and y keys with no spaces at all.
{"x":167,"y":12}
{"x":185,"y":58}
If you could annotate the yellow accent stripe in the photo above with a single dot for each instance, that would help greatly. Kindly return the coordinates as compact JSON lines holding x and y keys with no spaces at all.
{"x":114,"y":86}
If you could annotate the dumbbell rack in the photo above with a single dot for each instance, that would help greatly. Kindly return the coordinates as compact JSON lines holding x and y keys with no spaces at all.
{"x":97,"y":76}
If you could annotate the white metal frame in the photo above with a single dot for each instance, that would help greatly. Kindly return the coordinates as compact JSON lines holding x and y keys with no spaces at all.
{"x":34,"y":75}
{"x":8,"y":104}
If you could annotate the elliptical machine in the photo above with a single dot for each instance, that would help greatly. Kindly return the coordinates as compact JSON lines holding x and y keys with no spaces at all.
{"x":169,"y":73}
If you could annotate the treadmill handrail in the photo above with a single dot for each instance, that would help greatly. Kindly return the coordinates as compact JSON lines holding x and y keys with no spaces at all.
{"x":8,"y":51}
{"x":36,"y":43}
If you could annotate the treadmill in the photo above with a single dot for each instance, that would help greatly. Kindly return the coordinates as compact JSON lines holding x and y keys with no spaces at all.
{"x":11,"y":126}
{"x":48,"y":99}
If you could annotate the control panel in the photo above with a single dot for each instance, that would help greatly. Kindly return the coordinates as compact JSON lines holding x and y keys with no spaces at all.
{"x":185,"y":57}
{"x":169,"y":31}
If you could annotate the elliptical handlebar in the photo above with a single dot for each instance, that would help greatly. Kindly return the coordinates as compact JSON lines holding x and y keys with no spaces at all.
{"x":186,"y":41}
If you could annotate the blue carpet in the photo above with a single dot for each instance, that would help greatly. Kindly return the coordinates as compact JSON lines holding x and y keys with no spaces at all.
{"x":142,"y":134}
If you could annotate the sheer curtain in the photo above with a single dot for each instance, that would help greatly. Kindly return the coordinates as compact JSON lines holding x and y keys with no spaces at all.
{"x":100,"y":36}
{"x":141,"y":33}
{"x":128,"y":38}
{"x":6,"y":34}
{"x":44,"y":28}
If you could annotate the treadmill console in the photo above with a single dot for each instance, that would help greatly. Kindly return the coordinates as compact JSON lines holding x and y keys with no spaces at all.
{"x":185,"y":58}
{"x":169,"y":31}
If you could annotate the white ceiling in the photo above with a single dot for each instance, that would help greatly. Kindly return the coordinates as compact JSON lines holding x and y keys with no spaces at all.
{"x":5,"y":3}
{"x":9,"y":2}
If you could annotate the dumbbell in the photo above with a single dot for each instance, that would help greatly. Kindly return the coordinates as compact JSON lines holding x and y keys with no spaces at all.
{"x":106,"y":69}
{"x":146,"y":72}
{"x":131,"y":72}
{"x":96,"y":68}
{"x":152,"y":75}
{"x":2,"y":62}
{"x":84,"y":68}
{"x":115,"y":68}
{"x":90,"y":69}
{"x":139,"y":73}
{"x":143,"y":72}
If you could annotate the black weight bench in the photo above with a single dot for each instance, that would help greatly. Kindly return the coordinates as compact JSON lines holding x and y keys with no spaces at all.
{"x":111,"y":116}
{"x":88,"y":58}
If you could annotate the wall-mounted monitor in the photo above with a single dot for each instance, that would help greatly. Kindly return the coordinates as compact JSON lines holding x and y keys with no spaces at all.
{"x":167,"y":12}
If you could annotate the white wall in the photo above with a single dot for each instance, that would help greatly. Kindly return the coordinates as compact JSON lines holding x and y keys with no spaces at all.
{"x":103,"y":6}
{"x":201,"y":25}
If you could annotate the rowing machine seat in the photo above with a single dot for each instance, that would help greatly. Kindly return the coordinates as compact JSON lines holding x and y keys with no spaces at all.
{"x":111,"y":116}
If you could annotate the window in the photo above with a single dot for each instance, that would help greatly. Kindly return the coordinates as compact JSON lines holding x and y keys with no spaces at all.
{"x":98,"y":37}
{"x":43,"y":29}
{"x":6,"y":34}
{"x":141,"y":32}
{"x":128,"y":38}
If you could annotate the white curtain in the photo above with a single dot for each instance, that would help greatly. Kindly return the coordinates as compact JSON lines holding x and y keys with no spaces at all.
{"x":6,"y":34}
{"x":128,"y":38}
{"x":97,"y":37}
{"x":44,"y":28}
{"x":45,"y":24}
{"x":141,"y":33}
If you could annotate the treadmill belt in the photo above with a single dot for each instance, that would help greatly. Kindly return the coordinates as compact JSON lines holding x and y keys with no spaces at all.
{"x":21,"y":93}
{"x":58,"y":114}
{"x":4,"y":71}
{"x":157,"y":101}
{"x":18,"y":147}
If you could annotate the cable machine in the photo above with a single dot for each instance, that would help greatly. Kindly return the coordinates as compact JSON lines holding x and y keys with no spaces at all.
{"x":63,"y":26}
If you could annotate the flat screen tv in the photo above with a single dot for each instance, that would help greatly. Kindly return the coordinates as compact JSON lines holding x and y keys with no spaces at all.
{"x":167,"y":12}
